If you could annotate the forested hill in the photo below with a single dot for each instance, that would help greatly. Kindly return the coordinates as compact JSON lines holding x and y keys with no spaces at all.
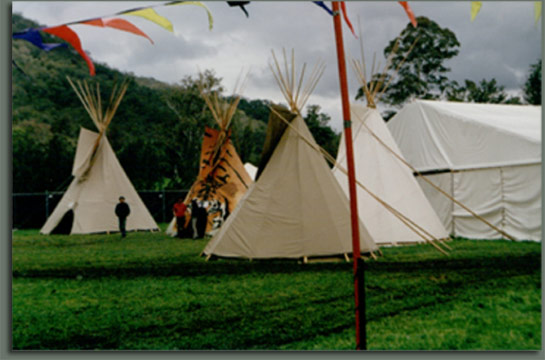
{"x":156,"y":133}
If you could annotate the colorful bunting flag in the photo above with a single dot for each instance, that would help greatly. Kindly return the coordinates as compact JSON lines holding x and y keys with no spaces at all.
{"x":343,"y":10}
{"x":197,"y":3}
{"x":241,"y":4}
{"x":409,"y":11}
{"x":475,"y":8}
{"x":33,"y":36}
{"x":67,"y":34}
{"x":537,"y":10}
{"x":324,"y":6}
{"x":152,"y":15}
{"x":119,"y":24}
{"x":345,"y":15}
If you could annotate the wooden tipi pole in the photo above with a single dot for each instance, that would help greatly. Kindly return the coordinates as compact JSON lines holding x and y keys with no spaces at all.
{"x":359,"y":270}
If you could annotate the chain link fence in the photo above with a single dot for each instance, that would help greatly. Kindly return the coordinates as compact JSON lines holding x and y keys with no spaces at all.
{"x":31,"y":210}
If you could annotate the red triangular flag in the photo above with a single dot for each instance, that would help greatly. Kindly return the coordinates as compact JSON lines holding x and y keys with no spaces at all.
{"x":67,"y":34}
{"x":409,"y":12}
{"x":119,"y":24}
{"x":345,"y":15}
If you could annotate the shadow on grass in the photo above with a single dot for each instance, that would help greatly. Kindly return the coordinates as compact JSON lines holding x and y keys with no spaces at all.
{"x":181,"y":267}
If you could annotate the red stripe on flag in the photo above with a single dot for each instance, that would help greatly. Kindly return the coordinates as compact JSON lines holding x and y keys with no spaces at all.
{"x":118,"y":24}
{"x":67,"y":34}
{"x":125,"y":25}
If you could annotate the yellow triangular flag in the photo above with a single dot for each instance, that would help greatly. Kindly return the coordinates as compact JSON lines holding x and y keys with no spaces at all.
{"x":475,"y":7}
{"x":537,"y":10}
{"x":198,"y":3}
{"x":151,"y":15}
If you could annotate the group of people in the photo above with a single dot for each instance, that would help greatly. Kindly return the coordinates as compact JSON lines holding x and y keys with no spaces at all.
{"x":192,"y":224}
{"x":197,"y":218}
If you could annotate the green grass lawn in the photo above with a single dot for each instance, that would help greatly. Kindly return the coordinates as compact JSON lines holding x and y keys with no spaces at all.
{"x":150,"y":291}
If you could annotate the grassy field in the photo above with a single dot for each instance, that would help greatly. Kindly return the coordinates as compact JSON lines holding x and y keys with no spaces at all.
{"x":154,"y":292}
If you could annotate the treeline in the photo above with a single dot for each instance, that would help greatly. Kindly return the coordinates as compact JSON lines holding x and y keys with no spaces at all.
{"x":156,"y":133}
{"x":158,"y":129}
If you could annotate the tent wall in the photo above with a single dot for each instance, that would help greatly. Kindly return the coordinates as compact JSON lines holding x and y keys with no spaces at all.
{"x":508,"y":197}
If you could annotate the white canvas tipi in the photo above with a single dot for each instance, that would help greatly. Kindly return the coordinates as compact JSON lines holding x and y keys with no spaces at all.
{"x":389,"y":179}
{"x":88,"y":204}
{"x":295,"y":208}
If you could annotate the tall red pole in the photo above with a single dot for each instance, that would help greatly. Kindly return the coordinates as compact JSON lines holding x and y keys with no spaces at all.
{"x":359,"y":289}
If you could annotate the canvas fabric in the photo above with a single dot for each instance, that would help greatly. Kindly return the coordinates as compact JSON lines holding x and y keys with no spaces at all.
{"x":437,"y":135}
{"x":295,"y":209}
{"x":508,"y":197}
{"x":221,"y":182}
{"x":389,"y":179}
{"x":491,"y":155}
{"x":251,"y":170}
{"x":94,"y":199}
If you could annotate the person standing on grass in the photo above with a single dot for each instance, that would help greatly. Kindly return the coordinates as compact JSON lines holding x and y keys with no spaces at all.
{"x":179,"y":209}
{"x":194,"y":210}
{"x":122,"y":210}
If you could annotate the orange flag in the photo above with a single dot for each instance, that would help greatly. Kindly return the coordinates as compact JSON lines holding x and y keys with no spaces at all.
{"x":119,"y":24}
{"x":409,"y":11}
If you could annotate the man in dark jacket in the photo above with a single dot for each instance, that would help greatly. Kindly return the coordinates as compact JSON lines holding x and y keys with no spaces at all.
{"x":122,"y":210}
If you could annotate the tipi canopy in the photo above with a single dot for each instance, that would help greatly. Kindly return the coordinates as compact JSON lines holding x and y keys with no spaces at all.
{"x":88,"y":204}
{"x":487,"y":156}
{"x":295,"y":208}
{"x":391,"y":204}
{"x":222,"y":179}
{"x":389,"y":179}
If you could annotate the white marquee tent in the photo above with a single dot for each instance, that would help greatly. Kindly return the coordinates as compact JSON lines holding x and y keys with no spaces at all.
{"x":486,"y":156}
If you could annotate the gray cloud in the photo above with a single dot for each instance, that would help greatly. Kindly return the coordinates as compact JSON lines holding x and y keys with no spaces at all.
{"x":501,"y":43}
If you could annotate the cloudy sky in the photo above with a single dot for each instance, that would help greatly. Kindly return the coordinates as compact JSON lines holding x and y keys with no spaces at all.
{"x":501,"y":43}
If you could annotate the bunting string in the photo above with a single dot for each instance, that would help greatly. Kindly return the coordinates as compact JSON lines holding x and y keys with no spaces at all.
{"x":71,"y":37}
{"x":404,"y":4}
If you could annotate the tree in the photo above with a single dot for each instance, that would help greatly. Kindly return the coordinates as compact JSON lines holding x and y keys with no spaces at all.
{"x":318,"y":124}
{"x":183,"y":145}
{"x":485,"y":91}
{"x":422,"y":74}
{"x":532,"y":86}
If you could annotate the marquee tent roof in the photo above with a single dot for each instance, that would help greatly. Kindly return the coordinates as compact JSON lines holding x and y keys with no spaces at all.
{"x":438,"y":135}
